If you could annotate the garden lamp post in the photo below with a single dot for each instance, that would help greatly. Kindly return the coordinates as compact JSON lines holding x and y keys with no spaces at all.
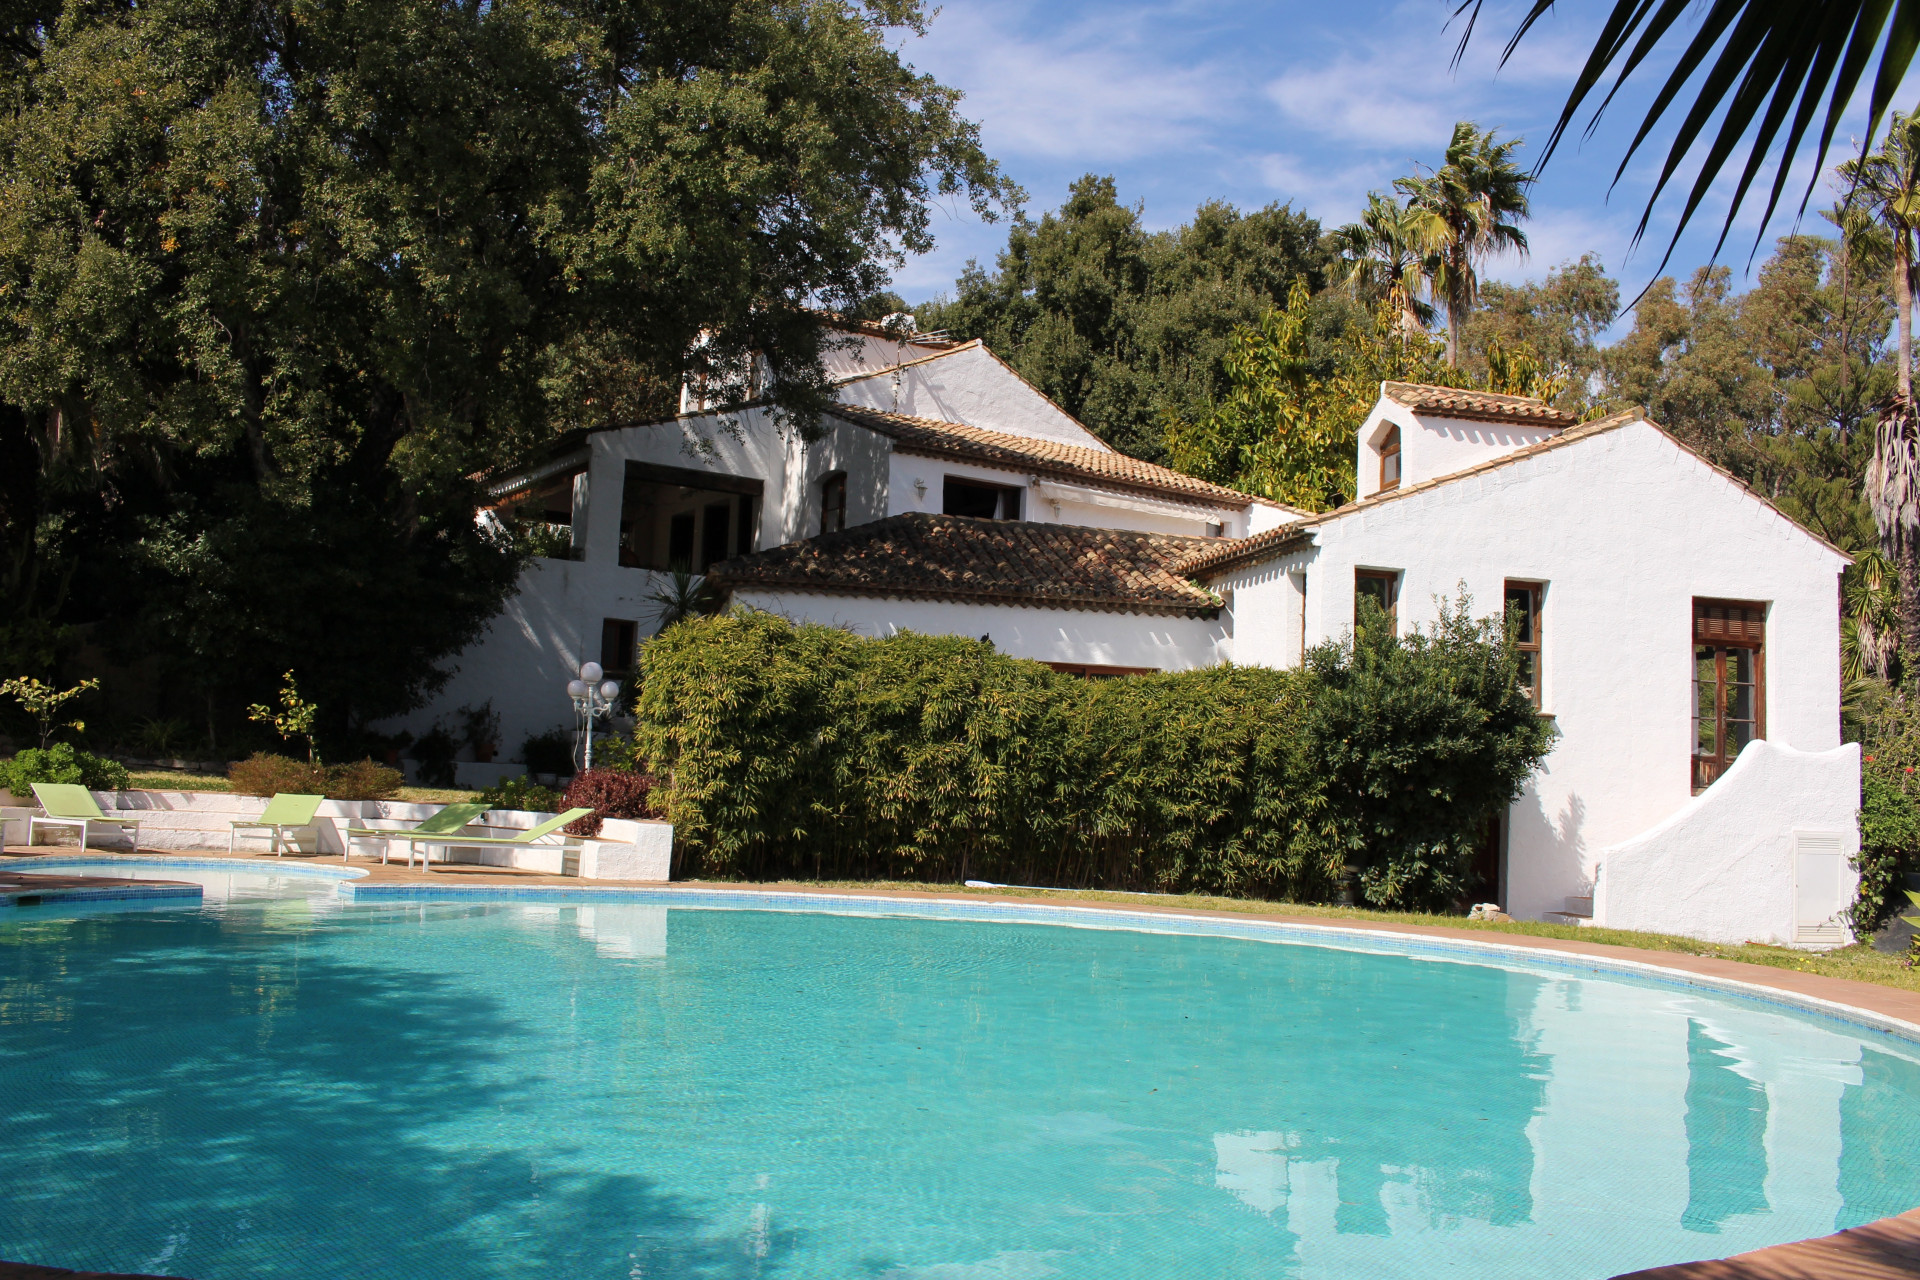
{"x":592,"y":698}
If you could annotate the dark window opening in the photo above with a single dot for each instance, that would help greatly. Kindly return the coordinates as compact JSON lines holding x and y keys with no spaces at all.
{"x":1382,"y":586}
{"x":980,"y":501}
{"x":619,"y":642}
{"x":1523,"y":623}
{"x":1729,"y":684}
{"x":833,"y":504}
{"x":542,"y":517}
{"x":1095,"y":671}
{"x":715,"y":526}
{"x":748,"y":511}
{"x":1390,"y":460}
{"x":676,"y":518}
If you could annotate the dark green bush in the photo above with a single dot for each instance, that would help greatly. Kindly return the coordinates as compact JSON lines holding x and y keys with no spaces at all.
{"x":521,"y":793}
{"x":265,"y":774}
{"x":61,"y":762}
{"x":789,"y":750}
{"x":548,"y":754}
{"x":1889,"y":834}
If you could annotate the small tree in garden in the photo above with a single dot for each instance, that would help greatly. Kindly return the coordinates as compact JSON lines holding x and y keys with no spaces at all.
{"x":293,"y":720}
{"x":43,"y":703}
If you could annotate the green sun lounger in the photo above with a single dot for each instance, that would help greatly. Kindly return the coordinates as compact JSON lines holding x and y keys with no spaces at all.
{"x":285,"y":812}
{"x":527,"y":837}
{"x":446,"y":822}
{"x":69,"y":804}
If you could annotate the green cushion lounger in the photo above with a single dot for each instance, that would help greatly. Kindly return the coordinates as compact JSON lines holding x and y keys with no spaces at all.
{"x":523,"y":838}
{"x":285,"y":812}
{"x":69,"y":804}
{"x":445,"y":822}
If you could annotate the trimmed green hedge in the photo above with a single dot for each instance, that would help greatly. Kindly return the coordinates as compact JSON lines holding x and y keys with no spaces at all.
{"x":804,"y":751}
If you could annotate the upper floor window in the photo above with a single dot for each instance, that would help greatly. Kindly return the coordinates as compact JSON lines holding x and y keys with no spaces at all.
{"x":1382,"y":586}
{"x":1390,"y":460}
{"x":1729,"y":683}
{"x":1523,"y":621}
{"x":619,"y":641}
{"x":677,"y":518}
{"x":833,"y":503}
{"x":980,"y":500}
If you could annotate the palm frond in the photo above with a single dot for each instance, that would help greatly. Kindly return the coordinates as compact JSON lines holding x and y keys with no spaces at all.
{"x":1765,"y":66}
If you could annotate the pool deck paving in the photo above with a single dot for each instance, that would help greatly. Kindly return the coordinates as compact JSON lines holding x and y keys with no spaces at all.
{"x":1885,"y":1250}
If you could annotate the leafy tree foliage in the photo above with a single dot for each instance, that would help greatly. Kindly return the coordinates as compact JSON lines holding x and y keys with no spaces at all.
{"x":281,"y":278}
{"x":1296,"y":397}
{"x":1122,"y":325}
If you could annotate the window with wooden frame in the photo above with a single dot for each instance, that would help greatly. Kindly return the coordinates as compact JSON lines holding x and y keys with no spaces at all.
{"x":619,"y":641}
{"x":1382,"y":586}
{"x":833,"y":503}
{"x":1523,"y":626}
{"x":1390,"y":460}
{"x":979,"y":500}
{"x":1729,"y":684}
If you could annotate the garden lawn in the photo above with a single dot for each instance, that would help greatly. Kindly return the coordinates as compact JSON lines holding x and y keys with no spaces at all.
{"x":1860,"y":963}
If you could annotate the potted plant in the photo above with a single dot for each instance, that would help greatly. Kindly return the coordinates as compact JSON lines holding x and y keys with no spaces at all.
{"x":480,"y":726}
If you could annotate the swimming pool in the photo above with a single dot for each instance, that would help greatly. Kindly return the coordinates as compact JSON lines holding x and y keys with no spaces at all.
{"x":287,"y":1082}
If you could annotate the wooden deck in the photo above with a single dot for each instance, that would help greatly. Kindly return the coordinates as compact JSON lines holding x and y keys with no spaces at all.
{"x":1885,"y":1250}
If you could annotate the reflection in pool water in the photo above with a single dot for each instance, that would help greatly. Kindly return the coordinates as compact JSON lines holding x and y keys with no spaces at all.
{"x":285,"y":1084}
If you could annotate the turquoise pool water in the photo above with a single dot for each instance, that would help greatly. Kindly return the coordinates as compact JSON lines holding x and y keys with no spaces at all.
{"x":283,"y":1083}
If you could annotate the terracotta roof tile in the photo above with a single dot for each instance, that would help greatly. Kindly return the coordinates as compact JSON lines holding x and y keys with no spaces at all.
{"x":1045,"y":457}
{"x":987,"y":561}
{"x":1479,"y":406}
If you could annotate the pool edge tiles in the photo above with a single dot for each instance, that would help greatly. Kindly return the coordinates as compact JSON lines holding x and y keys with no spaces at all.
{"x":259,"y":866}
{"x":1338,"y":937}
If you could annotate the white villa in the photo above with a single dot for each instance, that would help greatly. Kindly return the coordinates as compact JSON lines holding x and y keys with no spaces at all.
{"x":1671,"y":616}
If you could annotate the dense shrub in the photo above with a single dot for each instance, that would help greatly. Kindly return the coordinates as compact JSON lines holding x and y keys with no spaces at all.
{"x":1889,"y":834}
{"x":610,"y":793}
{"x":362,"y":780}
{"x":806,"y":751}
{"x":61,"y":762}
{"x":548,"y":754}
{"x":521,"y":793}
{"x":264,"y":775}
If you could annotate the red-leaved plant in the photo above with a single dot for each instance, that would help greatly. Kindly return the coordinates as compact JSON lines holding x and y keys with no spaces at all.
{"x":610,"y":793}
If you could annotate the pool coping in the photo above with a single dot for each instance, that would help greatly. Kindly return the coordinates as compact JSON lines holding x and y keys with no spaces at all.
{"x":1888,"y":1010}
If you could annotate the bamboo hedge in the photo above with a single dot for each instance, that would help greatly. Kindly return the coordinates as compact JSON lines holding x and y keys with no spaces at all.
{"x":787,"y":751}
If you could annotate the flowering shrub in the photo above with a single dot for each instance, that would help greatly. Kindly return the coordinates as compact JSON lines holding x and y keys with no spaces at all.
{"x":610,"y":793}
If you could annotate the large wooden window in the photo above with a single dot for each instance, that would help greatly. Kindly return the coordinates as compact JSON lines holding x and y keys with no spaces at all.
{"x":1390,"y":460}
{"x":1382,"y":586}
{"x":675,"y":518}
{"x":1729,"y":683}
{"x":1523,"y":617}
{"x":833,"y":503}
{"x":979,"y":500}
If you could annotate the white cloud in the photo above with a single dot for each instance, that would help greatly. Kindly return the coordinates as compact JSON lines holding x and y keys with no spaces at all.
{"x":1093,"y":93}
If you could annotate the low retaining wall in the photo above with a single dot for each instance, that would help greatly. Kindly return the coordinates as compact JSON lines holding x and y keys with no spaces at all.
{"x":186,"y":821}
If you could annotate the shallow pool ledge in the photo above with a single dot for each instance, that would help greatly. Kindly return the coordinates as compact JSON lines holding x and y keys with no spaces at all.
{"x":1885,"y":1009}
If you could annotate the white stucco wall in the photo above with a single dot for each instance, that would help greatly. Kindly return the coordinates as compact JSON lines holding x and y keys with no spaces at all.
{"x":1728,"y":865}
{"x":1625,"y":528}
{"x":1431,"y":446}
{"x":1047,"y":635}
{"x":969,"y":385}
{"x":862,"y":455}
{"x":1047,"y":501}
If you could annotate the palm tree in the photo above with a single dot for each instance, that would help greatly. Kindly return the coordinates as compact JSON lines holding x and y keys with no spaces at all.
{"x":1385,"y":258}
{"x":1465,"y":211}
{"x":1761,"y":65}
{"x":1887,"y":184}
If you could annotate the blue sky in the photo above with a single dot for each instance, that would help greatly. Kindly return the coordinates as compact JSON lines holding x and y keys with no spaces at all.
{"x":1312,"y":103}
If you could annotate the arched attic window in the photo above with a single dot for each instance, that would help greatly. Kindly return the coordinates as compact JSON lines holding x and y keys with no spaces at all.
{"x":1390,"y":460}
